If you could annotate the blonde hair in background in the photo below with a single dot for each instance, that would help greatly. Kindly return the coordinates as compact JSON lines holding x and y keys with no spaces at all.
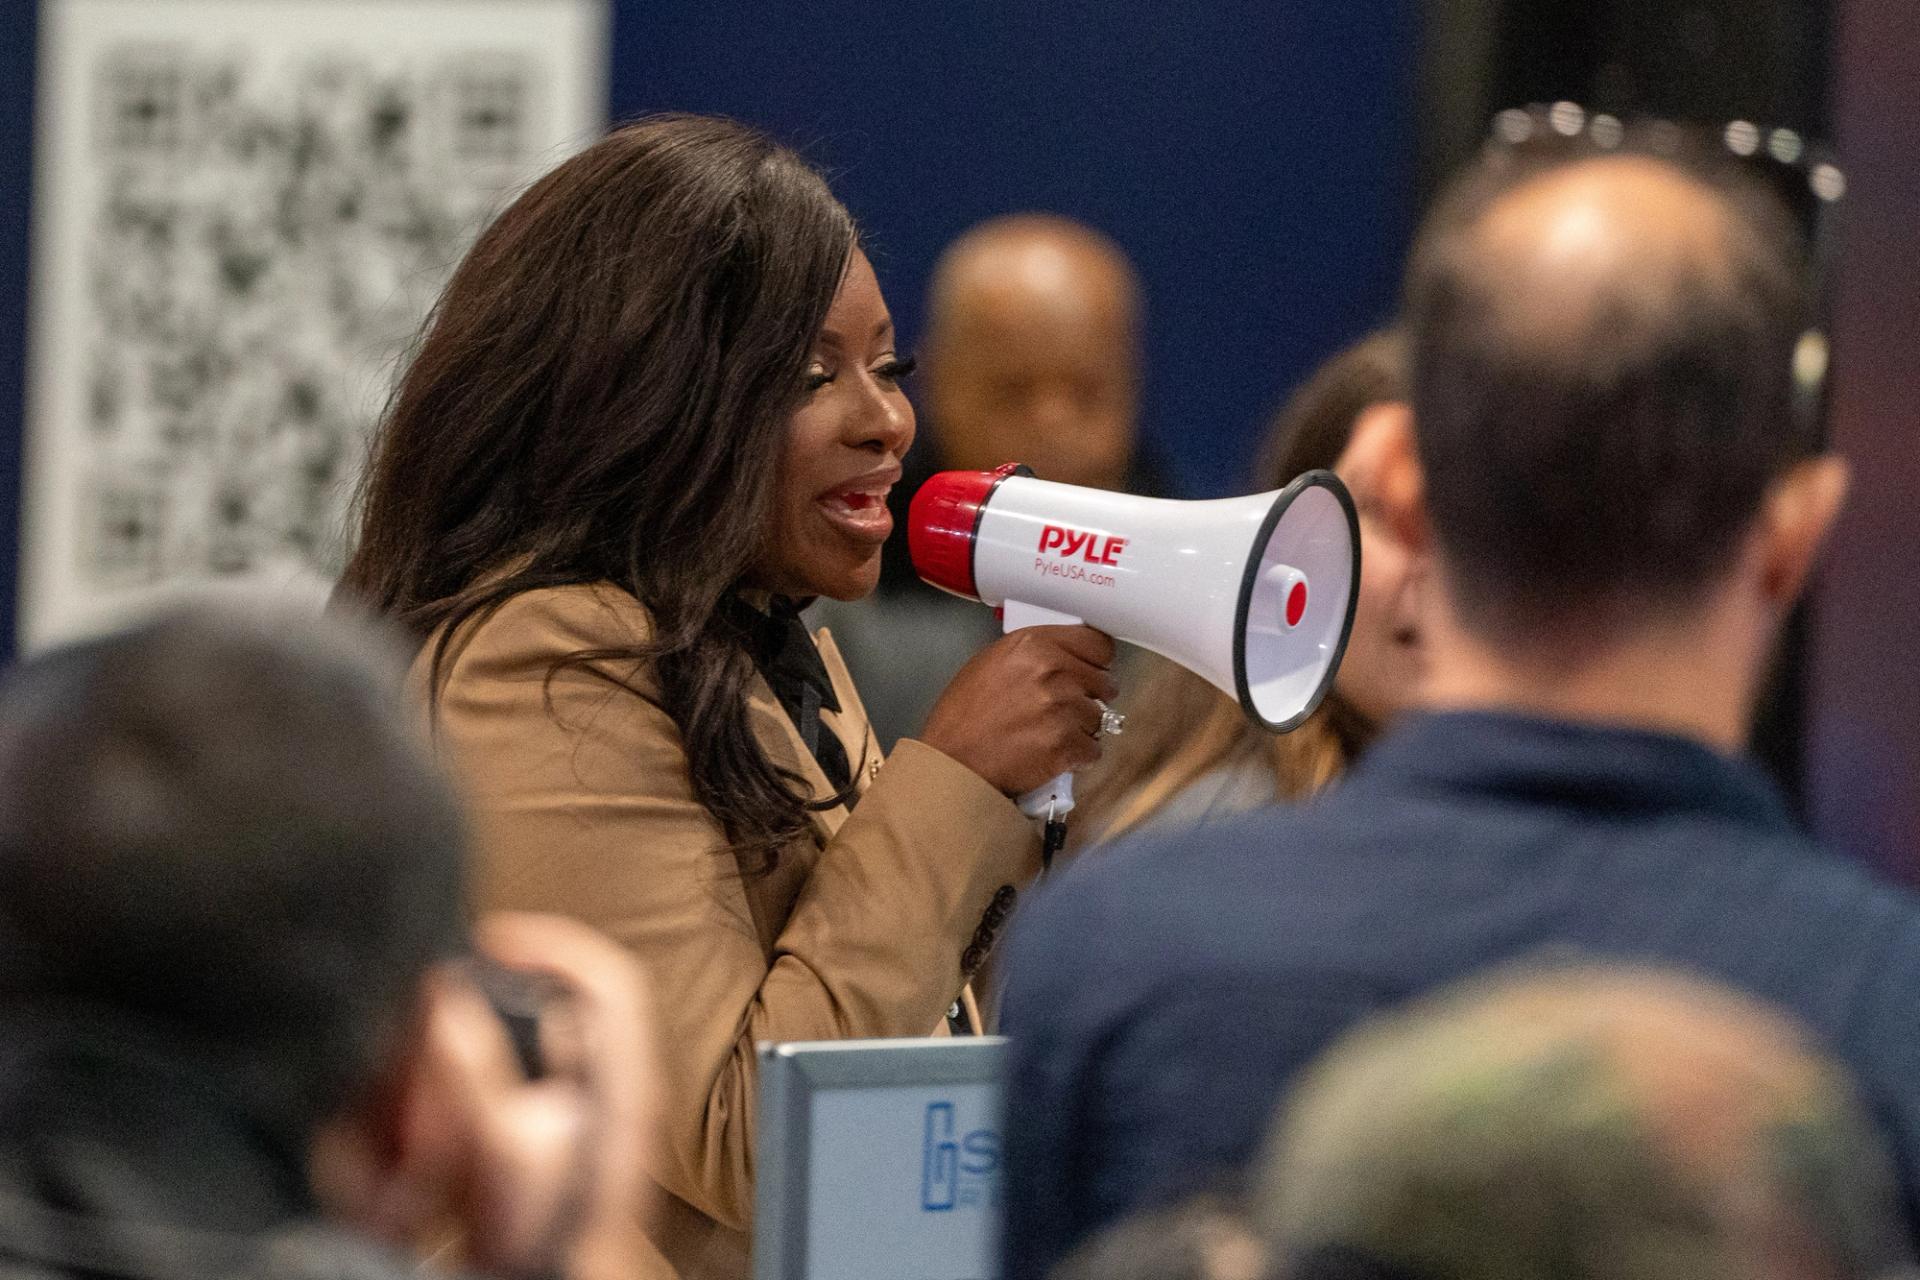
{"x":1181,"y":728}
{"x":1204,"y":730}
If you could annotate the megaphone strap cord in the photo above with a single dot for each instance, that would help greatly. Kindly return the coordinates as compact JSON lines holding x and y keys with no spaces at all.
{"x":1053,"y":838}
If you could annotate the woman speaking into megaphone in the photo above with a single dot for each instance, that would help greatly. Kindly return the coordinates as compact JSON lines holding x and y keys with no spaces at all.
{"x":657,"y":409}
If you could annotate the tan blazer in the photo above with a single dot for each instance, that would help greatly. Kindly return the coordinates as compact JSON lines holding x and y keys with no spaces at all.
{"x":584,"y":806}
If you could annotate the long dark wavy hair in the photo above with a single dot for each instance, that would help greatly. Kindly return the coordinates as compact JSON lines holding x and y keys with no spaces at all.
{"x":601,"y":395}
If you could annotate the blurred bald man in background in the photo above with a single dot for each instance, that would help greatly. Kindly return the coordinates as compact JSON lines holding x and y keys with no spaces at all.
{"x":1033,"y":351}
{"x":1032,"y":354}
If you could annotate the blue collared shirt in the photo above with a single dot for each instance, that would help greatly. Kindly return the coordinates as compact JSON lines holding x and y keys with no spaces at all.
{"x":1162,"y":994}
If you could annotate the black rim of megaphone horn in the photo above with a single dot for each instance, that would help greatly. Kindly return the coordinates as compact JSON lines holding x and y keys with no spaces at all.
{"x":1251,"y":576}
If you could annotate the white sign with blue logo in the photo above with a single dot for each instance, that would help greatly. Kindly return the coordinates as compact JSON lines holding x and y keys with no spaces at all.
{"x":880,"y":1159}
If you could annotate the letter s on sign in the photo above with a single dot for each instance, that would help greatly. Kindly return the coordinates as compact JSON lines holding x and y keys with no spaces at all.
{"x":982,"y":1148}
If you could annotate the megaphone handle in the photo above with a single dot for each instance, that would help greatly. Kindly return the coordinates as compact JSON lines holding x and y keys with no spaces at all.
{"x":1051,"y":801}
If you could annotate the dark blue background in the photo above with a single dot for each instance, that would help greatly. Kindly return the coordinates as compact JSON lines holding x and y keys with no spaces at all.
{"x":1255,"y":158}
{"x":17,"y":33}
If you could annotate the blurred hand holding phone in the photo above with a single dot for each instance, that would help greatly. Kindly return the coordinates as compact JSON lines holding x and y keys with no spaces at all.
{"x":544,"y":1053}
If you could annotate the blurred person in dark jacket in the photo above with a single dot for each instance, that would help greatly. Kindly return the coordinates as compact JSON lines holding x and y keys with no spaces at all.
{"x":1609,"y":463}
{"x":1033,"y":351}
{"x":240,"y":1027}
{"x":1032,"y":354}
{"x":1580,"y":1123}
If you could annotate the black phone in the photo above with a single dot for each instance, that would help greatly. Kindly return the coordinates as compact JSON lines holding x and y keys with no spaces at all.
{"x":519,"y":999}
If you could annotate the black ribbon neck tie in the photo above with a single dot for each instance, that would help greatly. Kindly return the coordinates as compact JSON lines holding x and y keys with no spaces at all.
{"x":784,"y":653}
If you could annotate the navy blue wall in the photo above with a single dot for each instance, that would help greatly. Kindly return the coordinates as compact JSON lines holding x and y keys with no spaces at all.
{"x":16,"y":179}
{"x":1255,"y":158}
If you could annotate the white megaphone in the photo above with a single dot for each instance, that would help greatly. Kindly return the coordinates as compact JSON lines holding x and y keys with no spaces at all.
{"x":1255,"y":594}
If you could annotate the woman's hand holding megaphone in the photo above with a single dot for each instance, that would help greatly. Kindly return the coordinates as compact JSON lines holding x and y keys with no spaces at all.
{"x":1026,"y":708}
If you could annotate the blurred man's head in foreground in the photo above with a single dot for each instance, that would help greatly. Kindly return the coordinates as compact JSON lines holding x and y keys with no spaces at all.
{"x":1205,"y":1237}
{"x":1032,"y":352}
{"x":219,"y":829}
{"x":236,"y":987}
{"x":1580,"y":1124}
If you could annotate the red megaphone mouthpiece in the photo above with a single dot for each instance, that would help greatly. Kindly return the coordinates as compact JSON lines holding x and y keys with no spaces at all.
{"x":942,"y":521}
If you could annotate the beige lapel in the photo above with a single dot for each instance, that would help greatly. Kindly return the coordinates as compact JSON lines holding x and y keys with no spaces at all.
{"x":863,"y":751}
{"x":850,"y":723}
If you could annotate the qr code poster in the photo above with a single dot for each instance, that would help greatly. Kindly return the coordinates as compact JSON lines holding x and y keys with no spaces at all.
{"x":243,"y":211}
